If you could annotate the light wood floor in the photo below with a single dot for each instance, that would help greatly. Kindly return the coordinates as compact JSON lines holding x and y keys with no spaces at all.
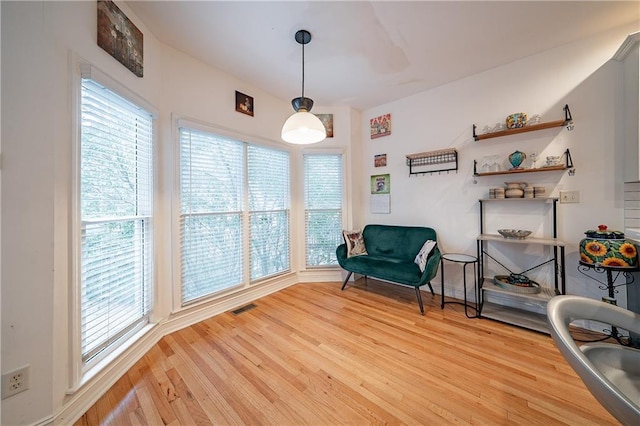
{"x":312,"y":354}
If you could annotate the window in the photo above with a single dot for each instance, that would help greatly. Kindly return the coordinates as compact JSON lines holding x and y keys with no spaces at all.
{"x":323,"y":193}
{"x":211,"y":204}
{"x":269,"y":211}
{"x":116,"y":204}
{"x":214,"y":219}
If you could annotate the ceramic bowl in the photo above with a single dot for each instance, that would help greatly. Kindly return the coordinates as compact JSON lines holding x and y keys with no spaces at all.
{"x":519,"y":234}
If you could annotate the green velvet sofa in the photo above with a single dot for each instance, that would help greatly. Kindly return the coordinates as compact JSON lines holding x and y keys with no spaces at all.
{"x":391,"y":251}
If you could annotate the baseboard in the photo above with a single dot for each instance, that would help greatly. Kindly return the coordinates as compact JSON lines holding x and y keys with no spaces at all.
{"x":193,"y":316}
{"x":321,"y":275}
{"x":76,"y":405}
{"x":47,"y":421}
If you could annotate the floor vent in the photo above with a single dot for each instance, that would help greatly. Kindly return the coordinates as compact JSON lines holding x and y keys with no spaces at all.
{"x":244,"y":308}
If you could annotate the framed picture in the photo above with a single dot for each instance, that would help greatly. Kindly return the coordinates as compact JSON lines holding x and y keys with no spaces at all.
{"x":380,"y":160}
{"x":381,"y":184}
{"x":119,"y":37}
{"x":327,"y":120}
{"x":244,"y":103}
{"x":380,"y":126}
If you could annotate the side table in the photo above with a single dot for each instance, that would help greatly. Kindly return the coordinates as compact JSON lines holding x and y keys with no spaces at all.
{"x":465,"y":260}
{"x":610,"y":287}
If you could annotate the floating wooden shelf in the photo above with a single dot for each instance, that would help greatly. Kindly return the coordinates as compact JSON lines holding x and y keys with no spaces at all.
{"x":429,"y":162}
{"x":568,"y":165}
{"x":525,"y":129}
{"x":511,"y":172}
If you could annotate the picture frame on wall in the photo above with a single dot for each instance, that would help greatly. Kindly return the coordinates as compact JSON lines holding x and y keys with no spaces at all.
{"x":380,"y":198}
{"x":119,"y":37}
{"x":380,"y":160}
{"x":381,"y":184}
{"x":244,"y":103}
{"x":380,"y":126}
{"x":327,"y":121}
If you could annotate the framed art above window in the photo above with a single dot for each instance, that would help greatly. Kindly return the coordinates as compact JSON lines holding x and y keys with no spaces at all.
{"x":119,"y":37}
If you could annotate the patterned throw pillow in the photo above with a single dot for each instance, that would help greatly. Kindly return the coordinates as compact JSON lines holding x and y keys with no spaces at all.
{"x":355,"y":243}
{"x":423,"y":254}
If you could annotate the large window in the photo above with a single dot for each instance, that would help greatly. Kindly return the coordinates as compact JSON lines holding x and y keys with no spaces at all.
{"x":211,"y":204}
{"x":268,"y":210}
{"x":228,"y":190}
{"x":116,"y":188}
{"x":323,"y":194}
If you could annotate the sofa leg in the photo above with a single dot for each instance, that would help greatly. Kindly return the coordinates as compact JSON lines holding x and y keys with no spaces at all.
{"x":420,"y":300}
{"x":344,"y":284}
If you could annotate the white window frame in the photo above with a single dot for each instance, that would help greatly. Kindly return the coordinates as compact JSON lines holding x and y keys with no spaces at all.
{"x":179,"y":121}
{"x":81,"y":372}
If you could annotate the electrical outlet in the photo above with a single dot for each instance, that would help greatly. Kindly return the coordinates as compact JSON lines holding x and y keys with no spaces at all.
{"x":15,"y":381}
{"x":569,"y":196}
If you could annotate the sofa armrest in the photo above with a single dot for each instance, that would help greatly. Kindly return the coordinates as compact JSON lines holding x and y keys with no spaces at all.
{"x":431,"y":268}
{"x":341,"y":253}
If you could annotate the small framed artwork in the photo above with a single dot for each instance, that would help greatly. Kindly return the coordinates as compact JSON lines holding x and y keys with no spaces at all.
{"x":380,"y":126}
{"x":381,"y":184}
{"x":119,"y":37}
{"x":244,"y":103}
{"x":327,"y":120}
{"x":380,"y":160}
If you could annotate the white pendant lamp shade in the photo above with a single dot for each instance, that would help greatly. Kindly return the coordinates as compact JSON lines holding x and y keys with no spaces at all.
{"x":303,"y":128}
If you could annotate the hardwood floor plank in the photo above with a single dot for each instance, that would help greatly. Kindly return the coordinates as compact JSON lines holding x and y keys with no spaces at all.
{"x":211,"y":401}
{"x":147,"y":412}
{"x":223,"y":385}
{"x":313,"y":354}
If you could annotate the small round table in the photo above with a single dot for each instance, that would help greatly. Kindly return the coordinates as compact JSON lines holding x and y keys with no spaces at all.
{"x":464,"y":259}
{"x":610,"y":287}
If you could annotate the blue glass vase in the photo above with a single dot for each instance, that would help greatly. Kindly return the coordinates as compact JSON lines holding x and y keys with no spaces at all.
{"x":516,"y":159}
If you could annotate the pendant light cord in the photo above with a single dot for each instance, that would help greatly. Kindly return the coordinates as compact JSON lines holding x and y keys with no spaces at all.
{"x":303,"y":69}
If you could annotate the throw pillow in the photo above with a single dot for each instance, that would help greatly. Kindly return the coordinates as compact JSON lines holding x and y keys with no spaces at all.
{"x":355,"y":243}
{"x":423,"y":254}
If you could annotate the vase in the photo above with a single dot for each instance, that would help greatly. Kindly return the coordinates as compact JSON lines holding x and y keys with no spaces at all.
{"x":607,"y":249}
{"x":514,"y":190}
{"x":516,"y":158}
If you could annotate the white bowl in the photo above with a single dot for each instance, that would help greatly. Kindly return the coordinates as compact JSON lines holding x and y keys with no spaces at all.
{"x":519,"y":234}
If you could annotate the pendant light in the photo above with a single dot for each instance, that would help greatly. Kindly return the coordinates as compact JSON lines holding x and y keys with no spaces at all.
{"x":302,"y":127}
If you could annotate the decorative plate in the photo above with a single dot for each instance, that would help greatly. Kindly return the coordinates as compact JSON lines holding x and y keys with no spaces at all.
{"x":503,"y":281}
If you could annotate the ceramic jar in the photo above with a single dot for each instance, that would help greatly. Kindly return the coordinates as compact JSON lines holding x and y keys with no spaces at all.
{"x":539,"y":191}
{"x":608,"y":249}
{"x":528,"y":192}
{"x":514,"y":190}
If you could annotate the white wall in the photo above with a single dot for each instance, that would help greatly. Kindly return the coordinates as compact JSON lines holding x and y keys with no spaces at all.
{"x":581,"y":75}
{"x":38,"y":39}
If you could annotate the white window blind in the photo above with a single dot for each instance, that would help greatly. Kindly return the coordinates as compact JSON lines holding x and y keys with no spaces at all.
{"x":211,"y":204}
{"x":116,"y":204}
{"x":268,"y":175}
{"x":323,"y":189}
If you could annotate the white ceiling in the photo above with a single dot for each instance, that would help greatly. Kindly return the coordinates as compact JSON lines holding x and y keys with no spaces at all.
{"x":366,"y":53}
